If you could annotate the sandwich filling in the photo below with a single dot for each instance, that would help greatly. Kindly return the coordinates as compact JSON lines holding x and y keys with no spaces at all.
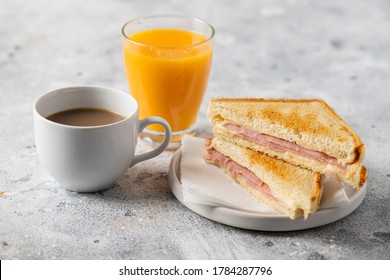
{"x":280,"y":145}
{"x":235,"y":170}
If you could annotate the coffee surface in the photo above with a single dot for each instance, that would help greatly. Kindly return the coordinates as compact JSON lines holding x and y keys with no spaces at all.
{"x":86,"y":117}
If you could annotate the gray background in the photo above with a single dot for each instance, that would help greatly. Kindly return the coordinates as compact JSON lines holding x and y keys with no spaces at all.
{"x":335,"y":50}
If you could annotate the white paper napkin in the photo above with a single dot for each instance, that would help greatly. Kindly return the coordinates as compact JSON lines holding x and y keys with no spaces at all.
{"x":207,"y":184}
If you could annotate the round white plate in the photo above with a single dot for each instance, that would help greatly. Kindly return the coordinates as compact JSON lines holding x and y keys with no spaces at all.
{"x":255,"y":221}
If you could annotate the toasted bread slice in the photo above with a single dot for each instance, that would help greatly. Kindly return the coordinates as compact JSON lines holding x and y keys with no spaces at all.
{"x":290,"y":190}
{"x":306,"y":127}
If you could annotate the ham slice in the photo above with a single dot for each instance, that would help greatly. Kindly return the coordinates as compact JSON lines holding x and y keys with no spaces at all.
{"x":279,"y":145}
{"x":235,"y":170}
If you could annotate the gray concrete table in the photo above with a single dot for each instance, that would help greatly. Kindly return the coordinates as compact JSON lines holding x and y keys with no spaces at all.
{"x":335,"y":50}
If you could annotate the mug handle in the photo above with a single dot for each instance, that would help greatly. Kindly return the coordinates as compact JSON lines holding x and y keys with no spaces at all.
{"x":167,"y":138}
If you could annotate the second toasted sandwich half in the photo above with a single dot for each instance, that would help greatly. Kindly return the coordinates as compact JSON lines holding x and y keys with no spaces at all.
{"x":289,"y":189}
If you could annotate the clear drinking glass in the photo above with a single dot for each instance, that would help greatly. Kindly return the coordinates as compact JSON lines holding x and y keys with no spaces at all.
{"x":167,"y":62}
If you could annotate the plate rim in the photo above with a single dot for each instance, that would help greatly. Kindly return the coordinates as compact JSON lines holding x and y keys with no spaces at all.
{"x":258,"y":221}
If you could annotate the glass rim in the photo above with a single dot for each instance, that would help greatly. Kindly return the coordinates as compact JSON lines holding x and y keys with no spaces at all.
{"x":208,"y":39}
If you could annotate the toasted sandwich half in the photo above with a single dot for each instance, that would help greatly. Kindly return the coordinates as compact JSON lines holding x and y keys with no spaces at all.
{"x":287,"y":188}
{"x":307,"y":133}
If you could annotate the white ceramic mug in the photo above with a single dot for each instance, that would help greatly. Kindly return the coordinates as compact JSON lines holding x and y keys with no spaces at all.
{"x":90,"y":158}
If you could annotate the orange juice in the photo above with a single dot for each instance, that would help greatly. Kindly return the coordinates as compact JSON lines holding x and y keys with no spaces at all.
{"x":167,"y":71}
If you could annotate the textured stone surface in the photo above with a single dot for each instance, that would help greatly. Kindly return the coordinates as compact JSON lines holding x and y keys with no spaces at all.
{"x":335,"y":50}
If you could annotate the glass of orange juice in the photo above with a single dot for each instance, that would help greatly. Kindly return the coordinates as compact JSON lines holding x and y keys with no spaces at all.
{"x":167,"y":62}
